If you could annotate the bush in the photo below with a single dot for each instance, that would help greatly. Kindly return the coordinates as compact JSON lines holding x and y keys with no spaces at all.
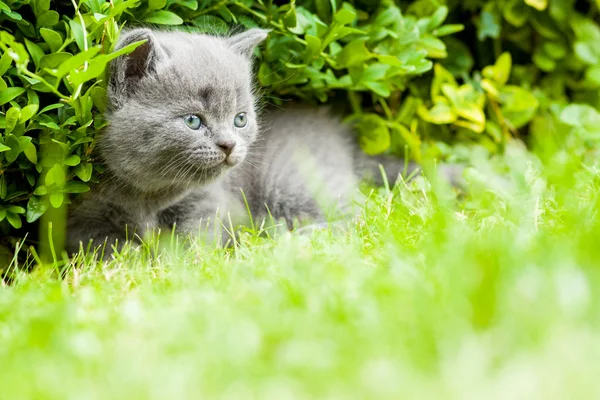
{"x":428,"y":78}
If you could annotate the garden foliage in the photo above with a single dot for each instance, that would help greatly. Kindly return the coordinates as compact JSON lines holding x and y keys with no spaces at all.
{"x":427,"y":78}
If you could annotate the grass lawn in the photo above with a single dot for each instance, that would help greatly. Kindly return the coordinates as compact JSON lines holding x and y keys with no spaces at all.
{"x":493,"y":295}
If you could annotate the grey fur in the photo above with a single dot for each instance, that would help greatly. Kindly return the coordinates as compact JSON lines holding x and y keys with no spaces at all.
{"x":160,"y":172}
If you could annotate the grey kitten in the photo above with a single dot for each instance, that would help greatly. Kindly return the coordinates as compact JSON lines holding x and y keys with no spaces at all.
{"x":182,"y":146}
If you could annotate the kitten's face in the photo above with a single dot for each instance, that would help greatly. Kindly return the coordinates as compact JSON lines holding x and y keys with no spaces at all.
{"x":182,"y":109}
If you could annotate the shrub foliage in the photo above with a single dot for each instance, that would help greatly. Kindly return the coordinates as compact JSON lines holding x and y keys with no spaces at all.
{"x":426,"y":78}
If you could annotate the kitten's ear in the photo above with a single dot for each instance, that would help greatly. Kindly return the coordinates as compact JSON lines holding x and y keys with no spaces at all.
{"x":128,"y":69}
{"x":245,"y":42}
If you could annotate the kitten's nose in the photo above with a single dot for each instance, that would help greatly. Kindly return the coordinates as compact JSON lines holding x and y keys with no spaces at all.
{"x":226,"y":145}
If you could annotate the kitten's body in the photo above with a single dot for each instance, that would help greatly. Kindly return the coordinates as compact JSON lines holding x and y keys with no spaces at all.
{"x":162,"y":172}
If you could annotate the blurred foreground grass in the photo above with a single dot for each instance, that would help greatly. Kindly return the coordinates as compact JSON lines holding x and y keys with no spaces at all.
{"x":494,"y":295}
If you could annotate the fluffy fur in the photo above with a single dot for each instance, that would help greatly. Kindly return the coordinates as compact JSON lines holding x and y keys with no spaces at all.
{"x":302,"y":166}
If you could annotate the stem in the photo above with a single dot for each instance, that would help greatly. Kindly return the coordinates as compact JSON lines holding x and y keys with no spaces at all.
{"x":46,"y":83}
{"x":85,"y":44}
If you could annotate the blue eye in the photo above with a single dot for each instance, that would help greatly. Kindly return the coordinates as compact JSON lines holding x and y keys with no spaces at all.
{"x":241,"y":120}
{"x":193,"y":121}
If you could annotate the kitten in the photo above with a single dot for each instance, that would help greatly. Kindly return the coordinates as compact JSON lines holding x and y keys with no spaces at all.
{"x":182,"y":146}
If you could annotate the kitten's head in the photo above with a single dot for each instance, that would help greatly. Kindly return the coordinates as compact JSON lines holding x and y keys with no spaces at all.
{"x":181,"y":108}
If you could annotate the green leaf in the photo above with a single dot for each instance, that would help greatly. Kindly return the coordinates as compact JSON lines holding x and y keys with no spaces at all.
{"x":35,"y":51}
{"x":3,"y":148}
{"x":76,"y":187}
{"x":354,"y":53}
{"x":52,"y":38}
{"x":191,"y":4}
{"x":56,"y":199}
{"x":518,"y":105}
{"x":15,"y":148}
{"x":539,"y":5}
{"x":74,"y":62}
{"x":28,"y":112}
{"x":499,"y":72}
{"x":344,"y":16}
{"x":580,"y":115}
{"x":5,"y":62}
{"x":84,"y":171}
{"x":438,"y":17}
{"x":440,"y":114}
{"x":374,"y":134}
{"x":36,"y":207}
{"x":72,"y":160}
{"x":14,"y":220}
{"x":41,"y":190}
{"x":30,"y":152}
{"x":16,"y":210}
{"x":54,"y":60}
{"x":47,"y":19}
{"x":11,"y":119}
{"x":79,"y":34}
{"x":56,"y":175}
{"x":488,"y":26}
{"x":448,"y":30}
{"x":51,"y":107}
{"x":289,"y":18}
{"x":40,"y":6}
{"x":163,"y":17}
{"x":210,"y":24}
{"x":2,"y":214}
{"x":156,"y":4}
{"x":10,"y":94}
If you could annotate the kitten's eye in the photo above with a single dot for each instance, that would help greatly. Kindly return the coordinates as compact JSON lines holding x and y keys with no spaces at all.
{"x":193,"y":121}
{"x":241,"y":120}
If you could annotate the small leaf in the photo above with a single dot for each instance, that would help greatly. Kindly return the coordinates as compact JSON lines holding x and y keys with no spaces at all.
{"x":15,"y":148}
{"x":48,"y":19}
{"x":539,"y":5}
{"x":488,"y":26}
{"x":54,"y":60}
{"x":36,"y":207}
{"x":210,"y":24}
{"x":14,"y":220}
{"x":156,"y":4}
{"x":354,"y":53}
{"x":41,"y":190}
{"x":35,"y":51}
{"x":76,"y":187}
{"x":56,"y":199}
{"x":28,"y":112}
{"x":10,"y":94}
{"x":163,"y":17}
{"x":30,"y":152}
{"x":11,"y":119}
{"x":79,"y":34}
{"x":56,"y":175}
{"x":374,"y":134}
{"x":5,"y":62}
{"x":16,"y":210}
{"x":52,"y":38}
{"x":440,"y":114}
{"x":438,"y":17}
{"x":500,"y":71}
{"x":84,"y":171}
{"x":344,"y":16}
{"x":72,"y":160}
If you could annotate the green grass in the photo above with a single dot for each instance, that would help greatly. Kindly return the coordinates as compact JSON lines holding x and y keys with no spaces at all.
{"x":494,"y":295}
